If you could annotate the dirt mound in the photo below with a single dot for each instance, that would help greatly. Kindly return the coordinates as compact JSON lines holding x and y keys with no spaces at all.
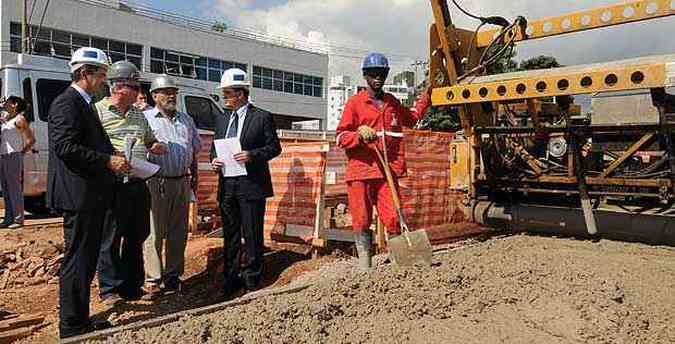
{"x":520,"y":289}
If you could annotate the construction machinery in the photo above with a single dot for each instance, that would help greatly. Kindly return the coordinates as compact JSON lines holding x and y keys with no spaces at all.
{"x":548,"y":167}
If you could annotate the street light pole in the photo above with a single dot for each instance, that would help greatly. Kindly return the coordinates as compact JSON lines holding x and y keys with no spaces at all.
{"x":24,"y":28}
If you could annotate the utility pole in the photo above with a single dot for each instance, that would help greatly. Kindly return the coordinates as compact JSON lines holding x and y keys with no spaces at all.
{"x":24,"y":28}
{"x":418,"y":63}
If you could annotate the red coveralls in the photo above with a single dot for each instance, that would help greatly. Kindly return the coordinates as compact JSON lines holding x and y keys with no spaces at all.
{"x":366,"y":183}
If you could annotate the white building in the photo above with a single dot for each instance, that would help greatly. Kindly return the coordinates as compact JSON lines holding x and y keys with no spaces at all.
{"x":287,"y":81}
{"x":400,"y":91}
{"x":339,"y":91}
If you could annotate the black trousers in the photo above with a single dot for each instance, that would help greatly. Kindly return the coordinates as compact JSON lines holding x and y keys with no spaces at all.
{"x":127,"y":225}
{"x":82,"y":237}
{"x":242,"y":216}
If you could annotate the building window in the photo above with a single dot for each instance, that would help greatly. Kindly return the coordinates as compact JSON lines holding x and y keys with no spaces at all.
{"x":188,"y":65}
{"x":281,"y":81}
{"x":62,"y":44}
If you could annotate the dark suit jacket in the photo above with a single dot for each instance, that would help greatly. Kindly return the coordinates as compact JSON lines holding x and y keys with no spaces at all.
{"x":79,"y":150}
{"x":259,"y":137}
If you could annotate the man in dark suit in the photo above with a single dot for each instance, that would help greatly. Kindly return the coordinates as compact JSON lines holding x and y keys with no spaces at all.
{"x":242,"y":198}
{"x":80,"y":179}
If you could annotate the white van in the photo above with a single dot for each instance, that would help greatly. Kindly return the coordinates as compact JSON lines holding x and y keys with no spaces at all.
{"x":40,"y":79}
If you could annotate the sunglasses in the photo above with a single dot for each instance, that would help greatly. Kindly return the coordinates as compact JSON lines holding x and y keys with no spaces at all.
{"x":376,"y":73}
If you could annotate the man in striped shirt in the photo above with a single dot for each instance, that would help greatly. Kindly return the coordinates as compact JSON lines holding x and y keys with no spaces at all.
{"x":171,"y":189}
{"x":120,"y":262}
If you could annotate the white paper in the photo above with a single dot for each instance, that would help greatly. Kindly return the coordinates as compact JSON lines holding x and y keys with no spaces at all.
{"x":225,"y":151}
{"x":142,"y":169}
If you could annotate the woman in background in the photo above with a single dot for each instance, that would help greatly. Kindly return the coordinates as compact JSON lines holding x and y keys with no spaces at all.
{"x":16,"y":138}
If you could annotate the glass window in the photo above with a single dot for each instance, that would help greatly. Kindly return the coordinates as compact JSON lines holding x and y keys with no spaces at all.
{"x":227,"y":65}
{"x":99,"y":43}
{"x":318,"y":91}
{"x":171,"y":68}
{"x":15,"y":44}
{"x":201,"y":73}
{"x":171,"y":57}
{"x":214,"y":75}
{"x":268,"y":84}
{"x":256,"y":81}
{"x":297,"y":89}
{"x":213,"y":63}
{"x":42,"y":33}
{"x":278,"y":85}
{"x":156,"y":53}
{"x":278,"y":74}
{"x":62,"y":49}
{"x":15,"y":29}
{"x":80,"y":40}
{"x":257,"y":70}
{"x":241,"y":66}
{"x":156,"y":67}
{"x":116,"y":57}
{"x":308,"y":90}
{"x":309,"y":80}
{"x":202,"y":111}
{"x":134,"y":49}
{"x":187,"y":60}
{"x":42,"y":48}
{"x":267,"y":72}
{"x":318,"y":81}
{"x":288,"y":87}
{"x":117,"y":46}
{"x":188,"y":71}
{"x":288,"y":76}
{"x":60,"y":36}
{"x":47,"y":90}
{"x":298,"y":78}
{"x":201,"y":61}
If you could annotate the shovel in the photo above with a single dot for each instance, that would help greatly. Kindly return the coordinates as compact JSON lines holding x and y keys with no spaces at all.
{"x":409,"y":248}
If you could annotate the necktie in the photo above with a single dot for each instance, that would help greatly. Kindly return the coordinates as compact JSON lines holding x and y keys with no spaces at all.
{"x":232,"y":132}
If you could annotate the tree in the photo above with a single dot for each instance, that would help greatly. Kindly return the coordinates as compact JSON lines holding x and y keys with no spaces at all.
{"x":539,"y":62}
{"x":219,"y":26}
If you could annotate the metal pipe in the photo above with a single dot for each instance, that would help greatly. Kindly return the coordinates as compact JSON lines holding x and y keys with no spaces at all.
{"x":657,"y":228}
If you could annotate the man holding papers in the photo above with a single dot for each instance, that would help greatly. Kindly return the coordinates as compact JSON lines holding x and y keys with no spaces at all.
{"x":245,"y":140}
{"x":120,"y":262}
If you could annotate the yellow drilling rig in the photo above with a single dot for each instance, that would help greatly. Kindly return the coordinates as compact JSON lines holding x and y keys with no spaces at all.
{"x":550,"y":168}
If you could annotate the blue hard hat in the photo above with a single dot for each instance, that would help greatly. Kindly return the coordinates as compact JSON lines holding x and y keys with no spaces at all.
{"x":375,"y":60}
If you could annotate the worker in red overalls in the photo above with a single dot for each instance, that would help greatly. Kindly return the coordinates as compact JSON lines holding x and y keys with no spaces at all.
{"x":369,"y":115}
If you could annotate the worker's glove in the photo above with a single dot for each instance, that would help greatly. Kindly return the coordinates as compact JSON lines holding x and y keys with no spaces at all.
{"x":366,"y":133}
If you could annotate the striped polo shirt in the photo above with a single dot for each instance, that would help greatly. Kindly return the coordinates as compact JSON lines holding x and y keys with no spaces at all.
{"x":182,"y":138}
{"x":119,"y":125}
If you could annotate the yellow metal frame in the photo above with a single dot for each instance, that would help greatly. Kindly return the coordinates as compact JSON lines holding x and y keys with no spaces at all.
{"x":552,"y":84}
{"x":631,"y":11}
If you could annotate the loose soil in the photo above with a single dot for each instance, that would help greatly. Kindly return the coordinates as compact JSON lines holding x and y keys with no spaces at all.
{"x":518,"y":289}
{"x":285,"y":264}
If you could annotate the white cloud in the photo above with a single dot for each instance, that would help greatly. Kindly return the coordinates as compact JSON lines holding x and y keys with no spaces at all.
{"x":400,"y":28}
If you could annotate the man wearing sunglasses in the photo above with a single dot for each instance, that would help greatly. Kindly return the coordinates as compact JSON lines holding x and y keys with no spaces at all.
{"x":369,"y":117}
{"x":120,"y":263}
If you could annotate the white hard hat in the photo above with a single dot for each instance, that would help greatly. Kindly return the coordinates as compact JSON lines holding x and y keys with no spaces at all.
{"x":234,"y":77}
{"x":88,"y":56}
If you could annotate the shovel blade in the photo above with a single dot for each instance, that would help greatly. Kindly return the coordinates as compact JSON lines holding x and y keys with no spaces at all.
{"x":411,"y":248}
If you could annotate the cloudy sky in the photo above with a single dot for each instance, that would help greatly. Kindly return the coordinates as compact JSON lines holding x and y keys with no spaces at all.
{"x":399,"y":28}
